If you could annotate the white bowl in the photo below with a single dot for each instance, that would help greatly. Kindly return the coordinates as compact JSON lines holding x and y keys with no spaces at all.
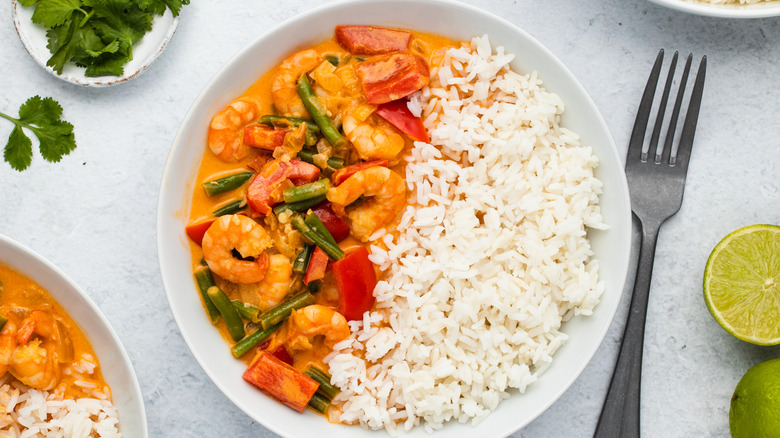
{"x":145,"y":51}
{"x":451,"y":19}
{"x":114,"y":362}
{"x":756,"y":10}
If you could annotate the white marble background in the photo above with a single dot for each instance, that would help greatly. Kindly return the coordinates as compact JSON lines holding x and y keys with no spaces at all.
{"x":94,"y":213}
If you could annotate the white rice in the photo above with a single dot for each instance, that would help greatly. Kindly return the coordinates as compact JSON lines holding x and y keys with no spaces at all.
{"x":26,"y":412}
{"x":491,"y":259}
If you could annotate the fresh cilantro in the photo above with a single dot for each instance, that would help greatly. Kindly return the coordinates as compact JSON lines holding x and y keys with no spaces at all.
{"x":44,"y":118}
{"x":96,"y":34}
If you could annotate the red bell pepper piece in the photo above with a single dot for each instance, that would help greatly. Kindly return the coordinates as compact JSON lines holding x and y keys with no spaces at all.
{"x":264,"y":137}
{"x":318,"y":264}
{"x":370,"y":40}
{"x":281,"y":381}
{"x":337,"y":227}
{"x":280,"y":352}
{"x":390,"y":77}
{"x":198,"y":230}
{"x":265,"y":189}
{"x":342,"y":174}
{"x":397,"y":114}
{"x":355,"y":279}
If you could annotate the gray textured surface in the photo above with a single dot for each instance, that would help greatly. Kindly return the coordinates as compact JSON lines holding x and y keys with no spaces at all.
{"x":93,"y":214}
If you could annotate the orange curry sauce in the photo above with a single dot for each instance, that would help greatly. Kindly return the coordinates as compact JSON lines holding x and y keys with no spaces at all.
{"x":428,"y":47}
{"x":19,"y":296}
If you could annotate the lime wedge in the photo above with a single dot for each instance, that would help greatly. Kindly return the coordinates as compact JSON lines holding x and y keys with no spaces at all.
{"x":742,"y":284}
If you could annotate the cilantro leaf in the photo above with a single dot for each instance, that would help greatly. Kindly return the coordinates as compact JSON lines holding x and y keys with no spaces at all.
{"x":120,"y":20}
{"x":157,"y":7}
{"x":52,"y":13}
{"x":43,"y":117}
{"x":18,"y":151}
{"x":63,"y":41}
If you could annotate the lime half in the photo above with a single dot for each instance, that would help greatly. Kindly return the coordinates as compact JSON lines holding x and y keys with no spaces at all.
{"x":742,"y":284}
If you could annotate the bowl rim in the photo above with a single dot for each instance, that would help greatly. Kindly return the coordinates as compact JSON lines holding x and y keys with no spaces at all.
{"x":163,"y":210}
{"x":24,"y":251}
{"x":76,"y":76}
{"x":723,"y":11}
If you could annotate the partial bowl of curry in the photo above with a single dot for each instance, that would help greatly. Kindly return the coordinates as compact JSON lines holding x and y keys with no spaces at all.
{"x":266,"y":219}
{"x":57,"y":348}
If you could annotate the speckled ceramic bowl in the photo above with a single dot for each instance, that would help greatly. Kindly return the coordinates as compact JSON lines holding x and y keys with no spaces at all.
{"x":114,"y":362}
{"x":145,"y":51}
{"x":756,"y":10}
{"x":452,"y":19}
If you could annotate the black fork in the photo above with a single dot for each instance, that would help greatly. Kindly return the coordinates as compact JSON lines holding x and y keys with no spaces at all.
{"x":656,"y":181}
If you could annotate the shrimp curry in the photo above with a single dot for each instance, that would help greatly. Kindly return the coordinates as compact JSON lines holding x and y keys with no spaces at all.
{"x":300,"y":175}
{"x":40,"y":345}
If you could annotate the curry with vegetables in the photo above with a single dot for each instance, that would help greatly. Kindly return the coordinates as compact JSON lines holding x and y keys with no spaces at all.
{"x":301,"y":174}
{"x":40,"y":345}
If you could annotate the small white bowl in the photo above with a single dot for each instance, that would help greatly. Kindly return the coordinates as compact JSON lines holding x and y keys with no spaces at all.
{"x":455,"y":20}
{"x":756,"y":10}
{"x":114,"y":362}
{"x":145,"y":51}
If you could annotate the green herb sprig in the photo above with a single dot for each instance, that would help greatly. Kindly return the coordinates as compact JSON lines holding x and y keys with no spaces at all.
{"x":43,"y":117}
{"x":96,"y":34}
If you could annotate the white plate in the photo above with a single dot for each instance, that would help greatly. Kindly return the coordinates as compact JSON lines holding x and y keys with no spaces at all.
{"x":756,"y":10}
{"x":145,"y":50}
{"x":455,"y":20}
{"x":114,"y":362}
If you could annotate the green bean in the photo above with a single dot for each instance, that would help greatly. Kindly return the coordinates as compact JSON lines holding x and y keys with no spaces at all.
{"x":312,"y":130}
{"x":246,"y":344}
{"x":232,"y":208}
{"x":205,"y":281}
{"x":302,"y":260}
{"x":247,"y":311}
{"x":229,"y":313}
{"x":326,"y":388}
{"x":306,"y":191}
{"x":312,"y":236}
{"x":333,"y":59}
{"x":225,"y":184}
{"x":284,"y":309}
{"x":298,"y":206}
{"x":307,"y":155}
{"x":3,"y":320}
{"x":314,"y":221}
{"x":317,"y":112}
{"x":319,"y":403}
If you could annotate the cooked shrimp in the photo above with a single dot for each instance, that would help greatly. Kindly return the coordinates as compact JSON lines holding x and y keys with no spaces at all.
{"x":315,"y":320}
{"x":284,"y":84}
{"x":226,"y":131}
{"x":372,"y":137}
{"x":35,"y":361}
{"x":267,"y":293}
{"x":384,"y":196}
{"x":244,"y":235}
{"x":272,"y":290}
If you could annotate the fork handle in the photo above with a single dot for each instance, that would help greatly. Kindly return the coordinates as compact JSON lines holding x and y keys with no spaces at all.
{"x":620,"y":413}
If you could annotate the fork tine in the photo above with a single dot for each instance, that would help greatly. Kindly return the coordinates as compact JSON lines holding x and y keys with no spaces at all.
{"x":675,"y":115}
{"x":691,"y":118}
{"x":659,"y":121}
{"x":643,"y":113}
